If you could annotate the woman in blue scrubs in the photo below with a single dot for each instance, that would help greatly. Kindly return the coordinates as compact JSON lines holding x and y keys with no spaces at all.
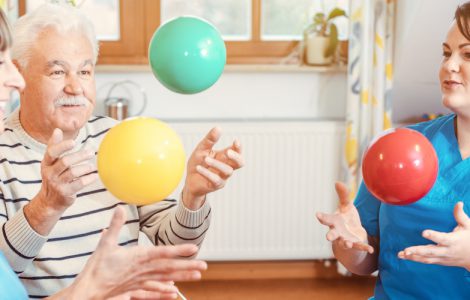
{"x":421,"y":250}
{"x":138,"y":271}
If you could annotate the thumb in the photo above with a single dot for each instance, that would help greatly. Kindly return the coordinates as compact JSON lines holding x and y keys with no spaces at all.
{"x":110,"y":235}
{"x":237,"y":146}
{"x":460,"y":215}
{"x":56,"y":137}
{"x":210,"y":139}
{"x":343,"y":195}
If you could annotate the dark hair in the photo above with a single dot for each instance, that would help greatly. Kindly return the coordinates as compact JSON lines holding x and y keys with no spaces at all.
{"x":462,"y":17}
{"x":5,"y":33}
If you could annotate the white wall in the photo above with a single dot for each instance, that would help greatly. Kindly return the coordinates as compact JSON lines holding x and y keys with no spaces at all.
{"x":421,"y":28}
{"x":241,"y":95}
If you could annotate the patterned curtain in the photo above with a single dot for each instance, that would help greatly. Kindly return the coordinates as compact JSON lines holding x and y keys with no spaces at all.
{"x":370,"y":73}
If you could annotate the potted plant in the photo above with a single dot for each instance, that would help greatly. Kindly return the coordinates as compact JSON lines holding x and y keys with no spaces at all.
{"x":321,"y":38}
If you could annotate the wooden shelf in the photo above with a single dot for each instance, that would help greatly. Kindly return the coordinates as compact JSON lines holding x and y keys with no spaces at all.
{"x":232,"y":68}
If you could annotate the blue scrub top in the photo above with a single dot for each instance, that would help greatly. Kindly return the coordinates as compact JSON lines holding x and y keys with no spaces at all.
{"x":10,"y":286}
{"x":399,"y":227}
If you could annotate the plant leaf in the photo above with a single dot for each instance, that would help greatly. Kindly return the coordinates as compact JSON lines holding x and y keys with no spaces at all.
{"x":337,"y":12}
{"x":330,"y":50}
{"x":319,"y":18}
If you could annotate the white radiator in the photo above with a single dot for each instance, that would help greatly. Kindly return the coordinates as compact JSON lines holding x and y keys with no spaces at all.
{"x":267,"y":209}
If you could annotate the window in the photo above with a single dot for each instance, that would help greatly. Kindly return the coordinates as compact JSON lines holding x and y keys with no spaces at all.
{"x":255,"y":31}
{"x":124,"y":36}
{"x":103,"y":13}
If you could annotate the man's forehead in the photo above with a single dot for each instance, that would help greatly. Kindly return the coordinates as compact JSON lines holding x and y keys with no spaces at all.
{"x":64,"y":63}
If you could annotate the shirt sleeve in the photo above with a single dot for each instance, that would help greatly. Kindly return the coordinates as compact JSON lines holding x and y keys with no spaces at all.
{"x":18,"y":241}
{"x":368,"y":207}
{"x":169,"y":222}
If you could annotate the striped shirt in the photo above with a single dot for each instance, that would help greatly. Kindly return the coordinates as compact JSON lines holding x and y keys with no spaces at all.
{"x":46,"y":264}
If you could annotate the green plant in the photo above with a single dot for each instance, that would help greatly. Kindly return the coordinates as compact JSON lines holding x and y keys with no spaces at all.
{"x":324,"y":26}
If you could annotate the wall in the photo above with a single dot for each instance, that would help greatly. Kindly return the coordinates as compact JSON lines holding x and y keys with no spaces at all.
{"x":421,"y":28}
{"x":254,"y":95}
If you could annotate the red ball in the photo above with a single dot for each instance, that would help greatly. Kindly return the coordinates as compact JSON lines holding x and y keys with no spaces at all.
{"x":400,"y":166}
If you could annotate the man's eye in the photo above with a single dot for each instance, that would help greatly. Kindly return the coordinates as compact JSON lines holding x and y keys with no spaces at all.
{"x":58,"y":72}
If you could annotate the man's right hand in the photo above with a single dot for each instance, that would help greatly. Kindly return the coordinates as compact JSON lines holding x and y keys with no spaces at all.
{"x":63,"y":176}
{"x":345,"y":224}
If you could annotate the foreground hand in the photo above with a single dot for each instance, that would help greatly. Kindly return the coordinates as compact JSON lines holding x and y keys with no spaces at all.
{"x":138,"y":271}
{"x":208,"y":169}
{"x":345,"y":224}
{"x":451,"y":249}
{"x":64,"y":175}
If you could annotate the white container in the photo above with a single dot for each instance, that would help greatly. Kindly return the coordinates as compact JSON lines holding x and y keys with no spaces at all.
{"x":315,"y":50}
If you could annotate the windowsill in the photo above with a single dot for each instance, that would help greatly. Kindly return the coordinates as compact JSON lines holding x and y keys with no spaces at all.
{"x":233,"y":68}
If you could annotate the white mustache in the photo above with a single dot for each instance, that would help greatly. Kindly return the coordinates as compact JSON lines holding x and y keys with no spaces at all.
{"x":72,"y":100}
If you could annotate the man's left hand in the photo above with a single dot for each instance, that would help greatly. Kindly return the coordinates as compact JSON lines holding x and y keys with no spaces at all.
{"x":209,"y":169}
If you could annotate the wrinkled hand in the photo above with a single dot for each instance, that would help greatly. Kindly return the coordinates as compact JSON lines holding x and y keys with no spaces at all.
{"x":208,"y":169}
{"x":63,"y":175}
{"x":451,"y":249}
{"x":345,"y":224}
{"x":139,"y":272}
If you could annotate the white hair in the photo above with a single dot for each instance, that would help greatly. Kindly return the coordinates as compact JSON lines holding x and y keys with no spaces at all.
{"x":61,"y":17}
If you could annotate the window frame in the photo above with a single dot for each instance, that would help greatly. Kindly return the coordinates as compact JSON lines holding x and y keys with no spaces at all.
{"x":144,"y":16}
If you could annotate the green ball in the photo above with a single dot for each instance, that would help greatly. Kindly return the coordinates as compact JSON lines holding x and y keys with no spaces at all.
{"x":187,"y":55}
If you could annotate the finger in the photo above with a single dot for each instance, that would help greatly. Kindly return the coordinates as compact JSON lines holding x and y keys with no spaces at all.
{"x":75,"y":172}
{"x":183,"y":250}
{"x":172,"y":265}
{"x":343,"y":195}
{"x":361,"y":246}
{"x":236,"y":159}
{"x":423,"y":259}
{"x":325,"y":219}
{"x":344,"y":243}
{"x":427,"y":250}
{"x":336,"y":220}
{"x":332,"y":235}
{"x":210,"y":139}
{"x":77,"y":185}
{"x":69,"y":160}
{"x":158,"y":286}
{"x":460,"y":215}
{"x":441,"y":238}
{"x":56,"y":146}
{"x":111,"y":234}
{"x":356,"y":245}
{"x":215,"y":179}
{"x":56,"y":137}
{"x":237,"y":146}
{"x":191,"y":275}
{"x":223,"y":168}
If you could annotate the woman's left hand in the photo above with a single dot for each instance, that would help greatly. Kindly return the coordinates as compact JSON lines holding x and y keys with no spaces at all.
{"x":451,"y":249}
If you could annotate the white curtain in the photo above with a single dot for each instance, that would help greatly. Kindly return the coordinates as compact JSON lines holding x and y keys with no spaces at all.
{"x":370,"y":70}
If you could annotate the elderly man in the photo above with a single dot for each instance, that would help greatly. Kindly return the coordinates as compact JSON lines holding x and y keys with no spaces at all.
{"x":54,"y":206}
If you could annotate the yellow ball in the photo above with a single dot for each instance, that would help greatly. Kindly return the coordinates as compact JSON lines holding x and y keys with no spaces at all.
{"x":141,"y":161}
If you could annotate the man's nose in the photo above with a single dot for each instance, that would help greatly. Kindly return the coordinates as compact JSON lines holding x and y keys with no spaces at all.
{"x":73,"y":85}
